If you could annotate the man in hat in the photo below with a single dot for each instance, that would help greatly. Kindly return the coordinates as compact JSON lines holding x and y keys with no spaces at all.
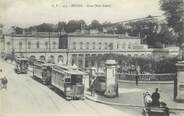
{"x":155,"y":97}
{"x":4,"y":80}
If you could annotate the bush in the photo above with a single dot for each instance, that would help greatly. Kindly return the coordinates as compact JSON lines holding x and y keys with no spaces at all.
{"x":147,"y":64}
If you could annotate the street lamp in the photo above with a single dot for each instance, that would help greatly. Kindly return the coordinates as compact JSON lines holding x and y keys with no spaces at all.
{"x":67,"y":52}
{"x":26,"y":44}
{"x":45,"y":53}
{"x":13,"y":49}
{"x":67,"y":49}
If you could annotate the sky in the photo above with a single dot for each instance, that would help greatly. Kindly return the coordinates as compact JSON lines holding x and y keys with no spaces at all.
{"x":31,"y":12}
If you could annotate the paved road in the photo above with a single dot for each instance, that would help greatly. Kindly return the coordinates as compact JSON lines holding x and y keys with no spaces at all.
{"x":26,"y":96}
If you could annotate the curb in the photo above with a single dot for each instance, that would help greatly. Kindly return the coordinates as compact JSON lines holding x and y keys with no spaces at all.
{"x":147,"y":82}
{"x":126,"y":105}
{"x":111,"y":103}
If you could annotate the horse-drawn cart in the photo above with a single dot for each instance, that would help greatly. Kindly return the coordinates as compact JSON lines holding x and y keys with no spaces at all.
{"x":151,"y":110}
{"x":155,"y":111}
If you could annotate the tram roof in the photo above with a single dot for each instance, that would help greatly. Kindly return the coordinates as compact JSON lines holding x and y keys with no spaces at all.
{"x":75,"y":72}
{"x":69,"y":70}
{"x":23,"y":59}
{"x":48,"y":64}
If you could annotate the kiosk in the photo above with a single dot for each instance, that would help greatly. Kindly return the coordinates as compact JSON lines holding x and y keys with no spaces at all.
{"x":111,"y":81}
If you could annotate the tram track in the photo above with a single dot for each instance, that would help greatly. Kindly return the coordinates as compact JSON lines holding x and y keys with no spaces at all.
{"x":51,"y":98}
{"x":92,"y":108}
{"x":28,"y":93}
{"x":47,"y":95}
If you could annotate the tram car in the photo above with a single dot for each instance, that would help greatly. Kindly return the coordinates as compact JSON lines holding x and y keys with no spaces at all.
{"x":43,"y":71}
{"x":69,"y":80}
{"x":21,"y":65}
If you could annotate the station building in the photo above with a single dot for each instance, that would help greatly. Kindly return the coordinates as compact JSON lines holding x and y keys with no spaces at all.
{"x":77,"y":48}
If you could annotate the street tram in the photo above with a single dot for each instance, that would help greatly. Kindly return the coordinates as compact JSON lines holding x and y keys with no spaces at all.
{"x":21,"y":65}
{"x":42,"y":71}
{"x":69,"y":80}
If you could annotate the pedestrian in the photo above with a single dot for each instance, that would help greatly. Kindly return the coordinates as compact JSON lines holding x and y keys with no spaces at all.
{"x":1,"y":78}
{"x":136,"y":79}
{"x":93,"y":86}
{"x":175,"y":88}
{"x":155,"y":97}
{"x":137,"y":75}
{"x":4,"y":82}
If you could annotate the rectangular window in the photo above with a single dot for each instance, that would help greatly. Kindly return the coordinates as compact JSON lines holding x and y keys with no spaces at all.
{"x":63,"y":42}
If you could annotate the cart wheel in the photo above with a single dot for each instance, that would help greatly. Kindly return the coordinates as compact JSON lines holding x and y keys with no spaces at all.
{"x":144,"y":112}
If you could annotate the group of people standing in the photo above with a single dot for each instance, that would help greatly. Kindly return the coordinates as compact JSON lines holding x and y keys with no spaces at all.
{"x":3,"y":80}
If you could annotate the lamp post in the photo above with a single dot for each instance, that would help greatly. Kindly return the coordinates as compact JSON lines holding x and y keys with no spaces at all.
{"x":67,"y":52}
{"x":45,"y":53}
{"x":13,"y":49}
{"x":49,"y":41}
{"x":26,"y":45}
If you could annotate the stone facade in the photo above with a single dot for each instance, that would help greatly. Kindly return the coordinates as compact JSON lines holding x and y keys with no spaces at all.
{"x":75,"y":48}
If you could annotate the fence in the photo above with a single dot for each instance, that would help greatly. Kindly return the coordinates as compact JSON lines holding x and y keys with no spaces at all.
{"x":147,"y":77}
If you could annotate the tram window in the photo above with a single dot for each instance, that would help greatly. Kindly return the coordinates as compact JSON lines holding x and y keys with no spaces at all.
{"x":76,"y":79}
{"x":101,"y":79}
{"x":67,"y":80}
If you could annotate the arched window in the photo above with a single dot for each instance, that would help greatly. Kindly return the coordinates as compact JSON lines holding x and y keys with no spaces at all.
{"x":123,"y":45}
{"x":135,"y":55}
{"x":42,"y":58}
{"x":29,"y":45}
{"x":60,"y":59}
{"x":111,"y":46}
{"x":94,"y":45}
{"x":32,"y":57}
{"x":74,"y":45}
{"x":8,"y":44}
{"x":117,"y":45}
{"x":51,"y":59}
{"x":106,"y":45}
{"x":20,"y":45}
{"x":87,"y":45}
{"x":81,"y":45}
{"x":54,"y":45}
{"x":100,"y":45}
{"x":46,"y":45}
{"x":129,"y":45}
{"x":38,"y":44}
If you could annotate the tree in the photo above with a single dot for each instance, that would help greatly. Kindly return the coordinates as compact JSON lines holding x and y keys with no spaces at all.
{"x":18,"y":30}
{"x":174,"y":12}
{"x":96,"y":25}
{"x":45,"y":27}
{"x":74,"y":25}
{"x":61,"y":27}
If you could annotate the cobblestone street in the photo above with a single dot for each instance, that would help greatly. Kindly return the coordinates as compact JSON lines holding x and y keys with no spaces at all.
{"x":26,"y":96}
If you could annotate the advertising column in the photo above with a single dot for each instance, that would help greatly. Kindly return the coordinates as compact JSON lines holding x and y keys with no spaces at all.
{"x":111,"y":82}
{"x":180,"y":81}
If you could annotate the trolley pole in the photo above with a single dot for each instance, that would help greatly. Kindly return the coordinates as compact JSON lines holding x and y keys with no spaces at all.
{"x":26,"y":45}
{"x":67,"y":50}
{"x":49,"y":42}
{"x":13,"y":50}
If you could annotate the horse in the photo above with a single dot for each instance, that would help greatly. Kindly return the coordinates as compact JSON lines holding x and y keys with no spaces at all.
{"x":147,"y":98}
